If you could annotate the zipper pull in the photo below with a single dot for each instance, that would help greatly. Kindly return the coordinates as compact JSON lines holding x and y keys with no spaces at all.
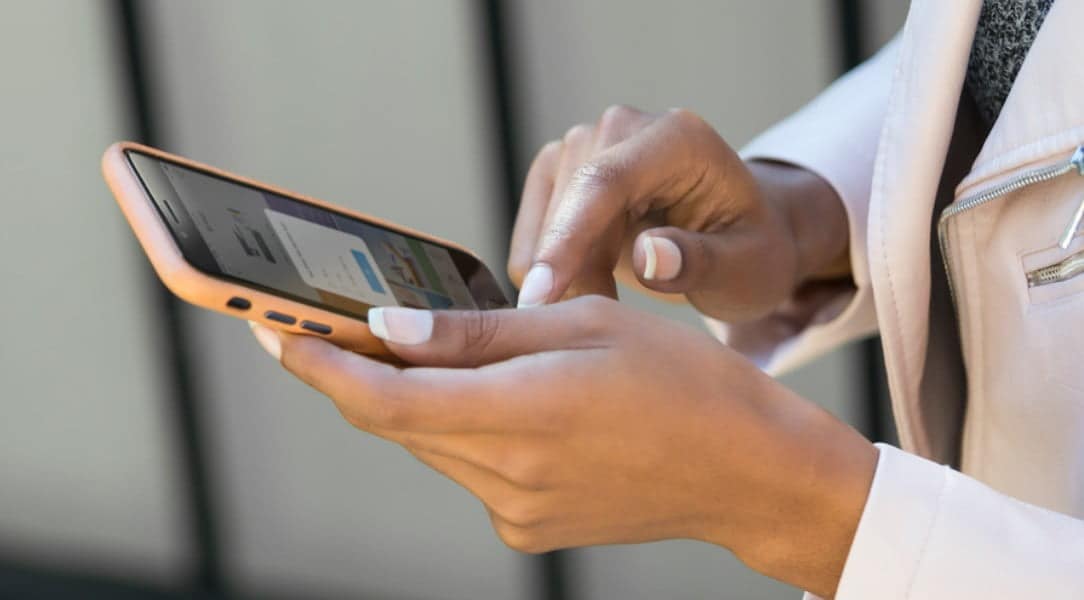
{"x":1074,"y":223}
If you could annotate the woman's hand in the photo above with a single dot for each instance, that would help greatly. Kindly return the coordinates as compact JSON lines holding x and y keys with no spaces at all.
{"x":665,"y":201}
{"x":586,"y":422}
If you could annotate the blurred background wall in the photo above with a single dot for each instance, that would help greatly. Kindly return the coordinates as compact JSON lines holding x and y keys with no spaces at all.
{"x":150,"y":450}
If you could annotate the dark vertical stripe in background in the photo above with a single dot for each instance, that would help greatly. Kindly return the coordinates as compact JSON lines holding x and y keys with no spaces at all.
{"x":509,"y":157}
{"x":178,"y":390}
{"x":875,"y":421}
{"x":852,"y":43}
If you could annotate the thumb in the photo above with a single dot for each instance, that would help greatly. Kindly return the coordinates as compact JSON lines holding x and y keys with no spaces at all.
{"x":729,"y":274}
{"x":472,"y":338}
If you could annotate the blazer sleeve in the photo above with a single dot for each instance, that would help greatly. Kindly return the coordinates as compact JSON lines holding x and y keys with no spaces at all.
{"x":930,"y":532}
{"x":835,"y":136}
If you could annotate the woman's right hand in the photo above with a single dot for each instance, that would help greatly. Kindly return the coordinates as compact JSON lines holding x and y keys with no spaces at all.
{"x":665,"y":204}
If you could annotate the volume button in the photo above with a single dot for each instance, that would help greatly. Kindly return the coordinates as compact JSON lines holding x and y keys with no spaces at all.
{"x":316,"y":327}
{"x":280,"y":317}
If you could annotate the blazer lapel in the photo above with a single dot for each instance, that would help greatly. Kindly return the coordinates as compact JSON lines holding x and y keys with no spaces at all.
{"x":929,"y":75}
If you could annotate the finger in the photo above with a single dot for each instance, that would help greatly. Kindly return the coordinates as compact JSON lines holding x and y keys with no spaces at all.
{"x":485,"y":485}
{"x":582,"y":142}
{"x":710,"y":268}
{"x":451,"y":467}
{"x":576,"y":147}
{"x":579,"y":145}
{"x":380,"y":398}
{"x":503,"y":500}
{"x":651,"y":170}
{"x":618,"y":123}
{"x":499,"y":454}
{"x":533,"y":206}
{"x":490,"y":484}
{"x":459,"y":338}
{"x":526,"y":538}
{"x":626,"y":274}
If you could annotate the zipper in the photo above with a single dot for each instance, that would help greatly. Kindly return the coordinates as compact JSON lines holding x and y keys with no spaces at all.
{"x":1059,"y":271}
{"x":1064,"y":269}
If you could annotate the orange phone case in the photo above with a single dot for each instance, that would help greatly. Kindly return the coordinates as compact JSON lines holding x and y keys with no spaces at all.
{"x":213,"y":293}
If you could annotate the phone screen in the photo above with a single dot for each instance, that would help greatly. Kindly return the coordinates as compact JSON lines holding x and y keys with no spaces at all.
{"x":305,"y":252}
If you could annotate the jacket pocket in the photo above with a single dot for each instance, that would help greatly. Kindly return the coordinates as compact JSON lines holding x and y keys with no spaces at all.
{"x":1054,"y":272}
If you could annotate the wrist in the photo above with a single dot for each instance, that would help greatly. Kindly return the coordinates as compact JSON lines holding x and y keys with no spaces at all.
{"x":798,"y":515}
{"x":833,"y":470}
{"x":815,"y":217}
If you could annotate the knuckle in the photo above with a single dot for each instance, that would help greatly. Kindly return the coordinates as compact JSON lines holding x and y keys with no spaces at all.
{"x":355,"y":420}
{"x":521,"y":511}
{"x":615,"y":116}
{"x":593,"y":314}
{"x":700,"y":255}
{"x":577,"y":135}
{"x":520,"y":539}
{"x":549,"y":151}
{"x":525,"y":469}
{"x":479,"y":330}
{"x":352,"y":407}
{"x":687,"y":118}
{"x":597,"y":174}
{"x":595,"y":305}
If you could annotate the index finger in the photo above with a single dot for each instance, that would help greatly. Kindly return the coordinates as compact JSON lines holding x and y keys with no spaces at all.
{"x":650,"y":170}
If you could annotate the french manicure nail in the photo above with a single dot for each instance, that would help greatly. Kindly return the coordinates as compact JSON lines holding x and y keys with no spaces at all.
{"x":398,"y":325}
{"x":268,"y":339}
{"x":650,"y":258}
{"x":536,"y":286}
{"x":662,"y":258}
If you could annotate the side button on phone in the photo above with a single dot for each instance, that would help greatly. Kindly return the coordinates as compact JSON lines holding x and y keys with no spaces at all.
{"x":239,"y":303}
{"x":279,"y":317}
{"x":316,"y":327}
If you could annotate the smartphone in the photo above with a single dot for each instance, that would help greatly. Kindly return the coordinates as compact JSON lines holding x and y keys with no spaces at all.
{"x":260,"y":253}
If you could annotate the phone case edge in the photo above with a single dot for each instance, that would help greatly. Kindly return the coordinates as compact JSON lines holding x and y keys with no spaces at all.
{"x":206,"y":291}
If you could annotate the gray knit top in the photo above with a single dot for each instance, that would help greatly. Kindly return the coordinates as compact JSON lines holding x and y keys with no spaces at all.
{"x":1004,"y":35}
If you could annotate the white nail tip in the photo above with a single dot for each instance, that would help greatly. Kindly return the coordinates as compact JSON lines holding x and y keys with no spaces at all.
{"x":376,"y":323}
{"x":651,"y":260}
{"x":536,"y":286}
{"x":398,"y":325}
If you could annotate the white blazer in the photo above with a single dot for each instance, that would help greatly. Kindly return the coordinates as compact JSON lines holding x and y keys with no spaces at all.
{"x":1008,"y":523}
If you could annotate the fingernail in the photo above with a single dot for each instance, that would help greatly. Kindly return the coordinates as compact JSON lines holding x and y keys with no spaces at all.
{"x":662,"y":258}
{"x":268,"y":339}
{"x":401,"y":325}
{"x":536,"y":286}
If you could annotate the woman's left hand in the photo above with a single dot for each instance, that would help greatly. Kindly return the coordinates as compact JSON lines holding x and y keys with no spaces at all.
{"x":586,"y":422}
